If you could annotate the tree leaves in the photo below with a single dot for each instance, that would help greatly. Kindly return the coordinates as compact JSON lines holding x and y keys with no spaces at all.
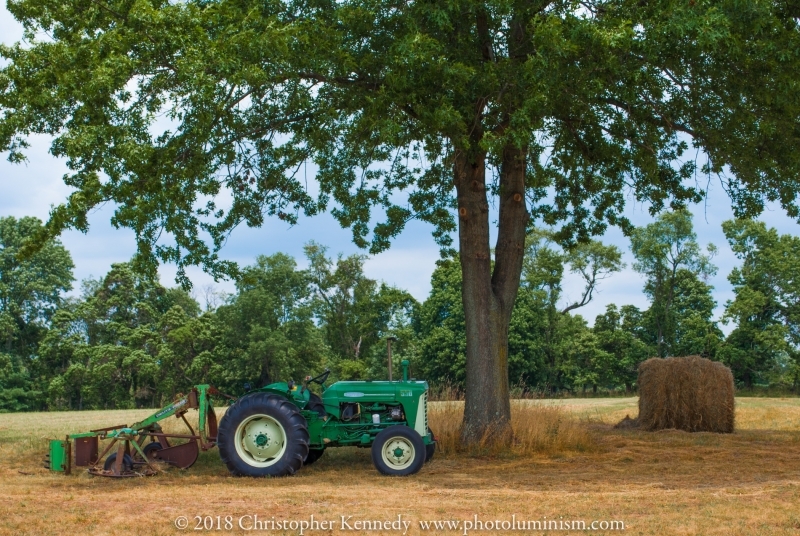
{"x":195,"y":117}
{"x":765,"y":307}
{"x":668,"y":255}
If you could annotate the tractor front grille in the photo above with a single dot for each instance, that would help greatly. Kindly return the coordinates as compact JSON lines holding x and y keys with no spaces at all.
{"x":425,"y":408}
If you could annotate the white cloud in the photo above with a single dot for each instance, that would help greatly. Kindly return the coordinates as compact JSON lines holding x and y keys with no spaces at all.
{"x":412,"y":266}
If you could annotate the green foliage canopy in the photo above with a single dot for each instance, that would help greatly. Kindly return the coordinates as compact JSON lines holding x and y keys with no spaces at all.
{"x":668,"y":255}
{"x":766,"y":307}
{"x":31,"y":291}
{"x":602,"y":96}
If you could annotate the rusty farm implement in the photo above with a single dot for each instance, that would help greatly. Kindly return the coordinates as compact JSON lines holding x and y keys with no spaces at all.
{"x":132,"y":450}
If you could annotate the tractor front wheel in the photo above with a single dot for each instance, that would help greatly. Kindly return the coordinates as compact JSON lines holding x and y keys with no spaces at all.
{"x":263,"y":435}
{"x":398,"y":451}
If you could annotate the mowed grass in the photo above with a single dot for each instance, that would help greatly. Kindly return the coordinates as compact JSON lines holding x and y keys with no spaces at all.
{"x":567,"y":463}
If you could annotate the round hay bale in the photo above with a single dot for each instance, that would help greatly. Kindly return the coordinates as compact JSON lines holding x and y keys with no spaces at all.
{"x":685,"y":393}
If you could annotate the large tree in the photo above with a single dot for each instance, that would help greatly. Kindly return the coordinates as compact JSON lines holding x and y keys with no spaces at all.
{"x":30,"y":293}
{"x":673,"y":263}
{"x":355,"y":312}
{"x":766,"y":304}
{"x":30,"y":288}
{"x":196,"y":116}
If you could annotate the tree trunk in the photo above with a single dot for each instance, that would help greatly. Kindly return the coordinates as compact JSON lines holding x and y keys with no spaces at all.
{"x":489,"y":293}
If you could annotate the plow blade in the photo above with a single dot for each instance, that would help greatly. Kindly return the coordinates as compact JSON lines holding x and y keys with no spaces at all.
{"x":182,"y":456}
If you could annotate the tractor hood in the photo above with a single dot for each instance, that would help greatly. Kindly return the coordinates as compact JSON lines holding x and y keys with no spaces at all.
{"x":412,"y":395}
{"x":373,"y":391}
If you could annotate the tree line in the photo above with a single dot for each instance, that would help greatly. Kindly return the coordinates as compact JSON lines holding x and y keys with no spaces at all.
{"x":125,"y":340}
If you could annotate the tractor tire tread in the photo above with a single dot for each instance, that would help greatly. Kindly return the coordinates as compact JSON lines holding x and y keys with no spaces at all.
{"x":296,"y":430}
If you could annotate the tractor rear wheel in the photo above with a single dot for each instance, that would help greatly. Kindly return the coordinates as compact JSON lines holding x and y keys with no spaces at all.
{"x":263,"y":435}
{"x":398,"y":451}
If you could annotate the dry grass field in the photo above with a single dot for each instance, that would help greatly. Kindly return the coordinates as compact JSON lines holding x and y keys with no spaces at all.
{"x":568,"y":464}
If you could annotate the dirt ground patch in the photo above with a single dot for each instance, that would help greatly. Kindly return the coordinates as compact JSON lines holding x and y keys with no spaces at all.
{"x":656,"y":483}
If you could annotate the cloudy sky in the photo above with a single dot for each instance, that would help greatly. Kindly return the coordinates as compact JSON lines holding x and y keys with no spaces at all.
{"x":31,"y":189}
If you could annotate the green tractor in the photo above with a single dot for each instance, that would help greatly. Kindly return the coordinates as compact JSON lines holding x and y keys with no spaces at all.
{"x":271,"y":431}
{"x":275,"y":430}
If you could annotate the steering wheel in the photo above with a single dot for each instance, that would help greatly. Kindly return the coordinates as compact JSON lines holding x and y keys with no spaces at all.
{"x":317,"y":379}
{"x":321,"y":378}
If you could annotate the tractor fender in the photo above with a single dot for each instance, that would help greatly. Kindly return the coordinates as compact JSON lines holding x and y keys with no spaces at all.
{"x":273,"y":391}
{"x":282,"y":390}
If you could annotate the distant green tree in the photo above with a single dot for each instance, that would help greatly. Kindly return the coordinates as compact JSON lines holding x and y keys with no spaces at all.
{"x":104,"y":350}
{"x":17,"y":391}
{"x":582,"y":361}
{"x":540,"y":324}
{"x":542,"y":278}
{"x":766,"y":307}
{"x":188,"y":351}
{"x":668,"y":255}
{"x":30,"y":287}
{"x":619,"y":334}
{"x":696,"y":333}
{"x":267,"y":329}
{"x":439,"y":326}
{"x":354,"y":311}
{"x":31,"y":290}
